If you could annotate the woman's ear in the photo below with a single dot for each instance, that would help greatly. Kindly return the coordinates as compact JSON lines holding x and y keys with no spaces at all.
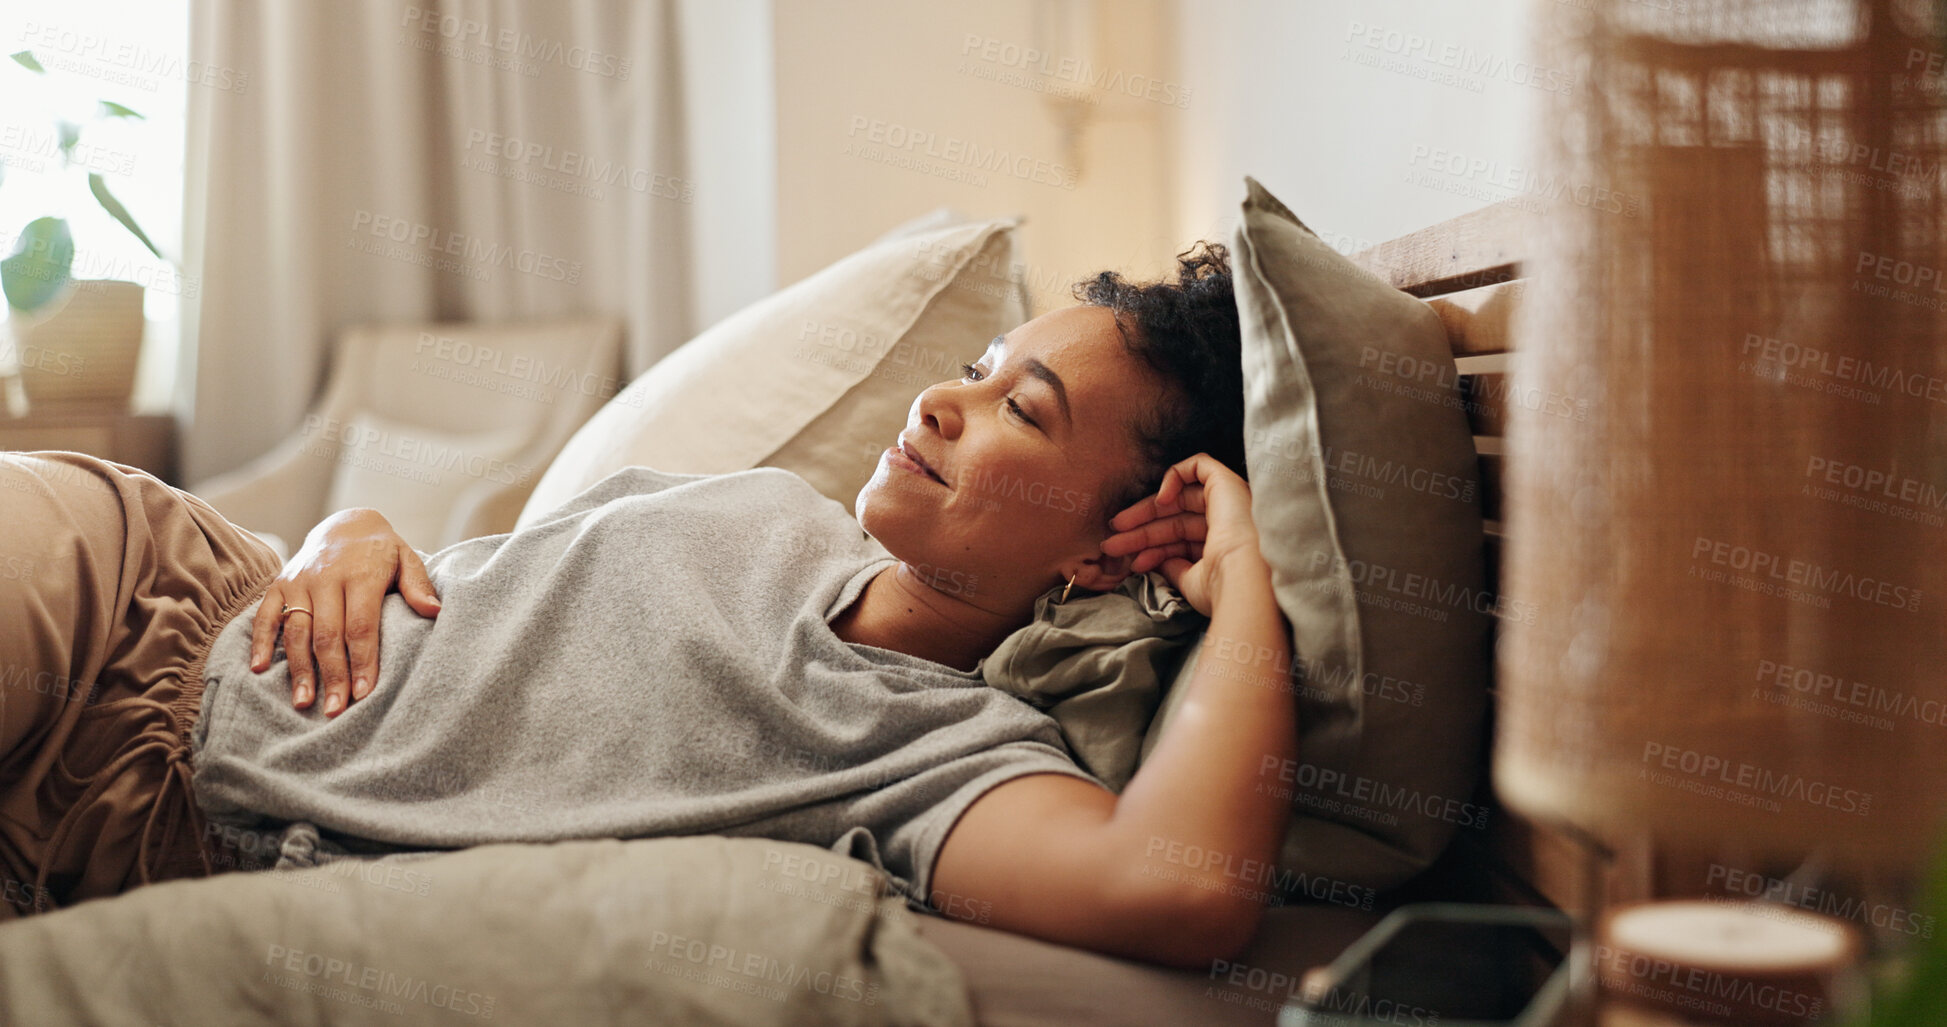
{"x":1099,"y":573}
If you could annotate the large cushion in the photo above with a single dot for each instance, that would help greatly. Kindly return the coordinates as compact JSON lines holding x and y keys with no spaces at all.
{"x":704,"y":930}
{"x":1364,"y":487}
{"x":816,"y":378}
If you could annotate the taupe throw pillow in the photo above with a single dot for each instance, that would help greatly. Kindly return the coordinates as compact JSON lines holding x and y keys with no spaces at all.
{"x":1365,"y":490}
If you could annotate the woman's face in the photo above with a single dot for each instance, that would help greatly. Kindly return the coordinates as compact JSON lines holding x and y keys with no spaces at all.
{"x":1025,"y":448}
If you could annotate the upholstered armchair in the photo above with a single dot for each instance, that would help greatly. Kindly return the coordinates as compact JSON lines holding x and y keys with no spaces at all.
{"x":444,"y":428}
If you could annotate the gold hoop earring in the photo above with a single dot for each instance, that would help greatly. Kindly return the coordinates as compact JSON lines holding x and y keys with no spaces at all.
{"x":1064,"y":590}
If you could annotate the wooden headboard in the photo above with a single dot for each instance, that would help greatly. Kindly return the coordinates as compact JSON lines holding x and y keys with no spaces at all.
{"x":1469,"y":270}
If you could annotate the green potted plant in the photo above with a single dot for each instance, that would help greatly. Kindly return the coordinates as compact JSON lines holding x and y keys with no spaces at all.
{"x":75,"y":342}
{"x":1916,"y":994}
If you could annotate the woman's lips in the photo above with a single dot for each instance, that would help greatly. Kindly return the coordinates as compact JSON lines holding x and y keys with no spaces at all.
{"x":901,"y":460}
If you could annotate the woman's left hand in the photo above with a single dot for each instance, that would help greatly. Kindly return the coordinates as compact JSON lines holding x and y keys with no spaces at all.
{"x":1196,"y":528}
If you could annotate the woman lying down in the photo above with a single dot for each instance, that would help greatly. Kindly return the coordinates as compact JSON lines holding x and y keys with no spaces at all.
{"x":673,"y":654}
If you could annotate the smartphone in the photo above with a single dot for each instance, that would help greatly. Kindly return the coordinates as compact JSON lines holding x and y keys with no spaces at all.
{"x":1443,"y":964}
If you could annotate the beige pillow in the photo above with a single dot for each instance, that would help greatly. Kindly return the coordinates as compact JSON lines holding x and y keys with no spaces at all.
{"x":420,"y":478}
{"x":1365,"y":490}
{"x":816,"y":378}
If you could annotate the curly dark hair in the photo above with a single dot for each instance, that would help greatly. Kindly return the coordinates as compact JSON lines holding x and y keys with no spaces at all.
{"x":1186,"y":330}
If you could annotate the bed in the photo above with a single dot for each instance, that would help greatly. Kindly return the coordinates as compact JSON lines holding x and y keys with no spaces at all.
{"x":368,"y":941}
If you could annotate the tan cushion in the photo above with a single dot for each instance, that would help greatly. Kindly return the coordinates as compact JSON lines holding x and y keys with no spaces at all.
{"x":417,"y":476}
{"x":1365,"y":490}
{"x":817,"y":378}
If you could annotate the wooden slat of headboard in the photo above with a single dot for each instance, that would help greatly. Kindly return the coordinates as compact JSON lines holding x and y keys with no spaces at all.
{"x":1481,"y":248}
{"x":1480,"y":321}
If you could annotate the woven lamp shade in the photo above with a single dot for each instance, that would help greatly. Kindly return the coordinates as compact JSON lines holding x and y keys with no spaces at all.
{"x":1735,"y":568}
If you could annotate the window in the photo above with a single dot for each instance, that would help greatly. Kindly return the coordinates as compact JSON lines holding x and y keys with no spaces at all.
{"x":109,"y":100}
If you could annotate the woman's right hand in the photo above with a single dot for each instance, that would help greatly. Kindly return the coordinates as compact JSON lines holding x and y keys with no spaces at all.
{"x":341,"y":575}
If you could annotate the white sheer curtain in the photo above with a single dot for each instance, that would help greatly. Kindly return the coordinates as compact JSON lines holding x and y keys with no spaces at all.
{"x":387,"y":161}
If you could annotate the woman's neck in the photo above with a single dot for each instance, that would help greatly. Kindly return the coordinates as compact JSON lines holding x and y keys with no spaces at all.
{"x":899,"y":610}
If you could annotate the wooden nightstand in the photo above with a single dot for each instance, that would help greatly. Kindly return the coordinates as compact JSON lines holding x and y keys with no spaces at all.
{"x":147,"y":441}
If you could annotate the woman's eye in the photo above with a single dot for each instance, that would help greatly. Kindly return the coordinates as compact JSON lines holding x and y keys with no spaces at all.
{"x":1018,"y":412}
{"x":972,"y":373}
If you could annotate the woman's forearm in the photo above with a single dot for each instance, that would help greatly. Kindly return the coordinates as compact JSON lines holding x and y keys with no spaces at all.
{"x":1178,"y":867}
{"x":1203,"y":802}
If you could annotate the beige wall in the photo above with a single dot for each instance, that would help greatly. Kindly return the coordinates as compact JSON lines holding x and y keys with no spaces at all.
{"x":925,"y":67}
{"x":1370,"y":118}
{"x":1354,"y":111}
{"x":728,"y":106}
